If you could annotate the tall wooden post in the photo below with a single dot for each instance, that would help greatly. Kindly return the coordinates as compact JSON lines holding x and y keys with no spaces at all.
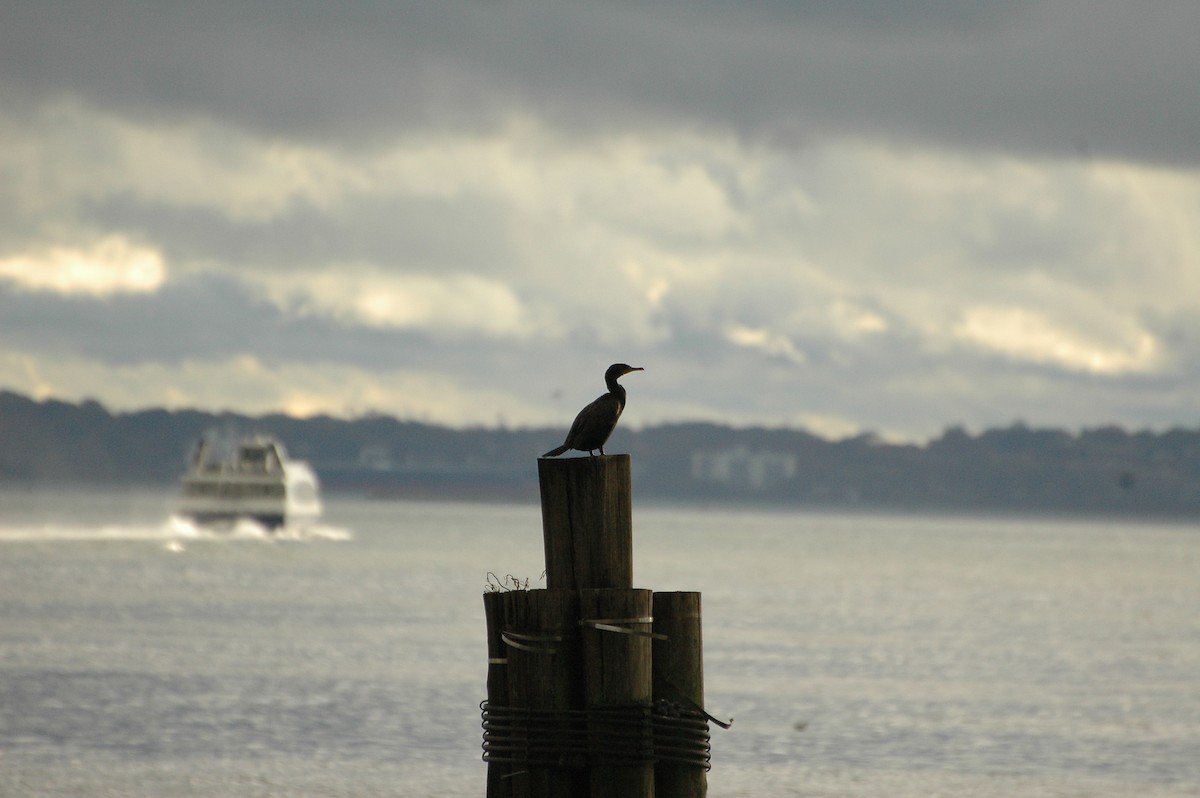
{"x":587,"y":521}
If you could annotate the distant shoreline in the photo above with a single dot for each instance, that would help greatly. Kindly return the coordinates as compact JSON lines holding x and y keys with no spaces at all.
{"x":1014,"y":471}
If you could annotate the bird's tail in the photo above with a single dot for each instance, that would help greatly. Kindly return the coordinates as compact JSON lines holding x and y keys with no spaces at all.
{"x":556,"y":451}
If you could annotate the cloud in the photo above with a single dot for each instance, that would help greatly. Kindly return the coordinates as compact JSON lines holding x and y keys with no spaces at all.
{"x":69,"y":153}
{"x":442,"y":304}
{"x":1023,"y":335}
{"x":771,"y":344}
{"x":109,"y":266}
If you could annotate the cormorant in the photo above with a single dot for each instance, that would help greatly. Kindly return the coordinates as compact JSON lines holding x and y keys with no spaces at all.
{"x":596,"y":422}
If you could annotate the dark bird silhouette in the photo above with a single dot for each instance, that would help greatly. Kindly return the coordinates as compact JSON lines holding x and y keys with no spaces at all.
{"x":596,"y":422}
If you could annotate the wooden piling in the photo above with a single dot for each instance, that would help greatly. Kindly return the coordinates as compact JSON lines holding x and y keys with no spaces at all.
{"x":678,"y":668}
{"x":617,"y":680}
{"x":544,"y":675}
{"x":496,"y":613}
{"x":587,"y":521}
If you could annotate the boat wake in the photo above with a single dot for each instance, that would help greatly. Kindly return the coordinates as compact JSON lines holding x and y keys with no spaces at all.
{"x":175,"y":532}
{"x":248,"y":529}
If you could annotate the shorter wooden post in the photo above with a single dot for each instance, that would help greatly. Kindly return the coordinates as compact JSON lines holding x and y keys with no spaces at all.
{"x":617,"y":677}
{"x":543,"y":644}
{"x":679,"y":679}
{"x":587,"y":522}
{"x":496,"y":612}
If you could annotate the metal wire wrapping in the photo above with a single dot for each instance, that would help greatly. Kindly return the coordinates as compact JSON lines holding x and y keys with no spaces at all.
{"x":604,"y":736}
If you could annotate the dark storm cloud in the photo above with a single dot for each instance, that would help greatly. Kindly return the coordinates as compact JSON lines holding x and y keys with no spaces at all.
{"x":1096,"y":78}
{"x":414,"y":234}
{"x":205,"y":317}
{"x":194,"y":318}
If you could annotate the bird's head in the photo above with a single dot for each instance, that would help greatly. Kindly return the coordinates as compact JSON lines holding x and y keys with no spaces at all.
{"x":619,"y":370}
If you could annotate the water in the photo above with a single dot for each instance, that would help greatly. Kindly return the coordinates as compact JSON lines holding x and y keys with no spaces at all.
{"x":859,"y":655}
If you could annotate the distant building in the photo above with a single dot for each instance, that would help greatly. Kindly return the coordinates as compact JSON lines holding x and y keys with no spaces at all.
{"x":740,"y":468}
{"x":376,"y":456}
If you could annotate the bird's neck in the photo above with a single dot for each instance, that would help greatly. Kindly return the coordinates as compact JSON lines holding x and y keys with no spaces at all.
{"x":617,"y":390}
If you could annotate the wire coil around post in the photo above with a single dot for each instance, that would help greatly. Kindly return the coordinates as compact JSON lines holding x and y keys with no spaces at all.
{"x":600,"y":736}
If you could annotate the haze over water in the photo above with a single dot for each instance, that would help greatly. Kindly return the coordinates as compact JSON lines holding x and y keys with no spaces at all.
{"x":859,"y":655}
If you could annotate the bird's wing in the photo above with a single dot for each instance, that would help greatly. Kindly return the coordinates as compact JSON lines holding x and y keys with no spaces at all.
{"x":583,"y":419}
{"x":577,"y":424}
{"x":594,"y":423}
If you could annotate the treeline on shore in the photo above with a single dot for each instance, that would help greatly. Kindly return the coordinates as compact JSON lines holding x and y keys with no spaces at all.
{"x":1105,"y":470}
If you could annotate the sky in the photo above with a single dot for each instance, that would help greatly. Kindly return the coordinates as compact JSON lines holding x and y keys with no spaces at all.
{"x":883,"y":216}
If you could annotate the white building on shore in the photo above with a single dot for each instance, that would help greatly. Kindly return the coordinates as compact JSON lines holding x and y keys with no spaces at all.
{"x":739,"y":467}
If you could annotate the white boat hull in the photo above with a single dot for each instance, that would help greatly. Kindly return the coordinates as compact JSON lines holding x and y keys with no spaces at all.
{"x":259,"y":483}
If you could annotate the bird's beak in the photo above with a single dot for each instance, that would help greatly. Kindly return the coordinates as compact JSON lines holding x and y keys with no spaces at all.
{"x":635,"y":368}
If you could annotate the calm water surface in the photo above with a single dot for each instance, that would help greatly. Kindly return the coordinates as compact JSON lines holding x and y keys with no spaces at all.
{"x":860,"y":655}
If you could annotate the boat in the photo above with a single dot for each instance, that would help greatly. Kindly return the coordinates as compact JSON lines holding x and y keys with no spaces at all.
{"x":254,"y":479}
